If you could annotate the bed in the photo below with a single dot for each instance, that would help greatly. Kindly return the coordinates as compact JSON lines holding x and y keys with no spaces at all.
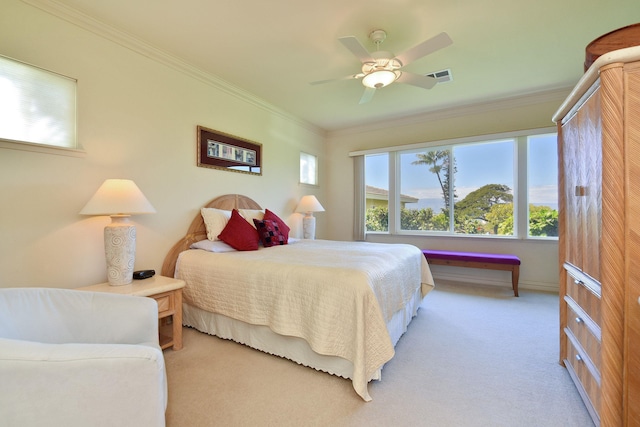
{"x":338,"y":307}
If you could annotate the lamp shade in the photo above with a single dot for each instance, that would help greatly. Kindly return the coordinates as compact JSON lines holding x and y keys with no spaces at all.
{"x":118,"y":197}
{"x":309,"y":204}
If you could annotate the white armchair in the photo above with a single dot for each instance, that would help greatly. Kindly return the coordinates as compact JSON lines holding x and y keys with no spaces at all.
{"x":78,"y":358}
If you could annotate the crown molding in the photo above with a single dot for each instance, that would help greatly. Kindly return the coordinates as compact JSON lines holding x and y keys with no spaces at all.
{"x":143,"y":48}
{"x":549,"y":95}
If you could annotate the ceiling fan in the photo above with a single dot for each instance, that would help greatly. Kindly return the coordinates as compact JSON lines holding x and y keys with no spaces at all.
{"x":381,"y":68}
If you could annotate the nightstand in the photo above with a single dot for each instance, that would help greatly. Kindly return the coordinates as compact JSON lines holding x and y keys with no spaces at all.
{"x":168,"y":294}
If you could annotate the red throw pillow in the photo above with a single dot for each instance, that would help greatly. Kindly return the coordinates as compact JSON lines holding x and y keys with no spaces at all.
{"x":269,"y":233}
{"x":239,"y":234}
{"x":284,"y":228}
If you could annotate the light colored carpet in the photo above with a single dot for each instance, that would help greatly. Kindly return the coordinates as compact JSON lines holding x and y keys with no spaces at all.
{"x":473,"y":356}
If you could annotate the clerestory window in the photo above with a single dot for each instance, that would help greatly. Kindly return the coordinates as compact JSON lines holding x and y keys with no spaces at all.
{"x":37,"y":107}
{"x":308,"y":169}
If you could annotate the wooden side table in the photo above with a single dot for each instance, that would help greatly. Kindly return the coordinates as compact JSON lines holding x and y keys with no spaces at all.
{"x":166,"y":291}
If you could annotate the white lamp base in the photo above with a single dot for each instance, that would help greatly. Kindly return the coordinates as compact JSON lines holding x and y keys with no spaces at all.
{"x":309,"y":226}
{"x":120,"y":249}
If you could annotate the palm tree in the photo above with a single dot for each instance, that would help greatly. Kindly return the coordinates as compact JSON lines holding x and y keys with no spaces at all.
{"x":438,"y":160}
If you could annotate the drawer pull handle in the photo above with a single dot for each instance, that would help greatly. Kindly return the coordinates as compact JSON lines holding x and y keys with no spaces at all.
{"x":578,"y":282}
{"x":578,"y":358}
{"x":579,"y":320}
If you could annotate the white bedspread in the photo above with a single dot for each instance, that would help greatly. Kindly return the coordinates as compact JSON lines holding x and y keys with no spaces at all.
{"x":337,"y":296}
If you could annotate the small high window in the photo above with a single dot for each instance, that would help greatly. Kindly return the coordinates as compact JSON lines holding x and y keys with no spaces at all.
{"x":308,"y":169}
{"x":36,"y":106}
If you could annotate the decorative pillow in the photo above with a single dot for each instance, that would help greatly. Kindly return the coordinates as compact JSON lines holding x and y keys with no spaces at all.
{"x":284,"y":228}
{"x":269,"y":233}
{"x":239,"y":234}
{"x":251,"y":214}
{"x":214,"y":220}
{"x":207,"y":245}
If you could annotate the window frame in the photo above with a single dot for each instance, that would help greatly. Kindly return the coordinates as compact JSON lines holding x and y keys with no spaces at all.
{"x":72,"y":148}
{"x":520,"y":187}
{"x":308,"y":158}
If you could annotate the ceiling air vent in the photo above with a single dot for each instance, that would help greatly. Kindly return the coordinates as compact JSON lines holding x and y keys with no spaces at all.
{"x":442,"y":76}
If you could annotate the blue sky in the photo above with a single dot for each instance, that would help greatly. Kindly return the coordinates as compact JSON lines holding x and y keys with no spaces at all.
{"x":478,"y":165}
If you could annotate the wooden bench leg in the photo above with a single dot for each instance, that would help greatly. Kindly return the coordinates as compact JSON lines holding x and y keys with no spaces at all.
{"x":515,"y":275}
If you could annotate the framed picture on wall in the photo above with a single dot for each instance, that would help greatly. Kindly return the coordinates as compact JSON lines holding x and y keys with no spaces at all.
{"x":220,"y":150}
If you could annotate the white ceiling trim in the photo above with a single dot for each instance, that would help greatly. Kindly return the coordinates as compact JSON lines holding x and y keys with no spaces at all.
{"x":540,"y":97}
{"x":455,"y":141}
{"x":137,"y":45}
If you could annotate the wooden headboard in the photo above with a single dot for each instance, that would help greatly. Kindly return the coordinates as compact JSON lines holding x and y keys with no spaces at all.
{"x":197,"y":231}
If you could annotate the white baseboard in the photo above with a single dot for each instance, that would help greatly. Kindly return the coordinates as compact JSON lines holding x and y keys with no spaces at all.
{"x":522,"y":284}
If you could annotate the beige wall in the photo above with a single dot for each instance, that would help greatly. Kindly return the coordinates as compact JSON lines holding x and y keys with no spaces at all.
{"x":539,"y":258}
{"x":137,"y":120}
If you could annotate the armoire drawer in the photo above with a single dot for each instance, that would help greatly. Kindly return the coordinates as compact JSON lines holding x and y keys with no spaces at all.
{"x":585,"y":291}
{"x":584,"y":373}
{"x":585,"y":330}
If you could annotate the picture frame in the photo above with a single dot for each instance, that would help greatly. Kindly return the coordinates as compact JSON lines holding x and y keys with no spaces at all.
{"x":219,"y":150}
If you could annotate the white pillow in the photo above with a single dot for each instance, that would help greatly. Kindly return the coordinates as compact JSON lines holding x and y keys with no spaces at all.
{"x":217,"y":246}
{"x":214,"y":220}
{"x":251,"y":214}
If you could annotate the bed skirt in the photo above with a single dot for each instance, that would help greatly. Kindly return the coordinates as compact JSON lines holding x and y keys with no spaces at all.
{"x":296,"y":349}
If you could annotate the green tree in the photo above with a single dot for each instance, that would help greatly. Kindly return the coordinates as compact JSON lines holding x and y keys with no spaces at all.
{"x":543,"y":221}
{"x":470,"y":214}
{"x":441,"y":222}
{"x":478,"y":203}
{"x":470,"y":217}
{"x":377,"y":218}
{"x":500,"y":218}
{"x":468,"y":225}
{"x":417,"y":219}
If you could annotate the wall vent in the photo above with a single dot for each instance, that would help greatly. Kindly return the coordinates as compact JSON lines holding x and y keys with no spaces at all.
{"x":442,"y":76}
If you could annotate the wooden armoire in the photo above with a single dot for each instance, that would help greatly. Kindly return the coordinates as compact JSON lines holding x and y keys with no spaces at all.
{"x":599,"y":245}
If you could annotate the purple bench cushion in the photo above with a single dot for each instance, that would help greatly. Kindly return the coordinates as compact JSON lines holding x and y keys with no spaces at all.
{"x":472,"y":256}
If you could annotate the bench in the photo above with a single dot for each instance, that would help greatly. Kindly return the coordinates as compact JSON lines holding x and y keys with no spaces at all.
{"x":477,"y":260}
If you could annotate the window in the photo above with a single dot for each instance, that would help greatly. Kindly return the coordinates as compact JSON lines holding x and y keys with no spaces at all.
{"x":377,"y":192}
{"x":36,"y":106}
{"x":484,"y":187}
{"x":308,"y":169}
{"x":424,"y":189}
{"x":542,"y":168}
{"x":465,"y":188}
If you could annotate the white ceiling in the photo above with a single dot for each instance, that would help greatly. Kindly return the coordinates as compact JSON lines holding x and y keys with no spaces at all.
{"x":273,"y":49}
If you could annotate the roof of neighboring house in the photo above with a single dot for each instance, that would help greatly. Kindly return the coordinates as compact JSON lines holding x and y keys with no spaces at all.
{"x":382,"y":194}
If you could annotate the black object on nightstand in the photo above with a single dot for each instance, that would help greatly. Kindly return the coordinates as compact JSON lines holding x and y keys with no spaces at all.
{"x":143,"y":274}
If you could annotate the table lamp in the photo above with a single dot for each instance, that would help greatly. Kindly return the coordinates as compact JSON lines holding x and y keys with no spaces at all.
{"x":309,"y":205}
{"x":119,"y":198}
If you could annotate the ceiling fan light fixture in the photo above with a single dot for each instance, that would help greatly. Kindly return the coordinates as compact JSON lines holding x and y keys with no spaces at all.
{"x":380,"y":78}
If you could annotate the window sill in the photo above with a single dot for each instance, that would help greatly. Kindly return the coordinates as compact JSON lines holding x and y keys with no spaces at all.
{"x":41,"y":148}
{"x":460,"y":236}
{"x":304,"y":184}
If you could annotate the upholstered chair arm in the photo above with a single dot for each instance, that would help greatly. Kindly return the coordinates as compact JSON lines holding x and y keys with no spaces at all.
{"x":72,"y":316}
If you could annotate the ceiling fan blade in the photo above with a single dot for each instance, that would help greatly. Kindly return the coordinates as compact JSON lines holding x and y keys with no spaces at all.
{"x":349,"y":77}
{"x":356,"y":48}
{"x":438,"y":42}
{"x":367,"y":95}
{"x":425,"y":82}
